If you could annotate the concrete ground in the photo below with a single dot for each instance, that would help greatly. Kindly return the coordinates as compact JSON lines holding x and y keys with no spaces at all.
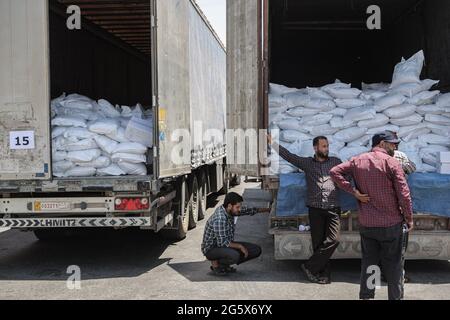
{"x":137,"y":265}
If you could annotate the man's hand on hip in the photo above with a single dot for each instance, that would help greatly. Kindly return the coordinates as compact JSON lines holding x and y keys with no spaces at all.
{"x":363,"y":198}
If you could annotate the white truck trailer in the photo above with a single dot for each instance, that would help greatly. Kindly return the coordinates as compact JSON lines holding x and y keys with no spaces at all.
{"x":161,"y":53}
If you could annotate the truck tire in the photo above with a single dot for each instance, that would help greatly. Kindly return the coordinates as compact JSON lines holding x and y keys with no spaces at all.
{"x":50,"y":235}
{"x":203,"y":193}
{"x":226,"y":182}
{"x":195,"y":203}
{"x":237,"y":180}
{"x":183,"y":213}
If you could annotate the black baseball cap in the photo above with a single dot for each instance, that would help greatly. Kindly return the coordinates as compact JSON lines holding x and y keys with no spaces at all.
{"x":387,"y":136}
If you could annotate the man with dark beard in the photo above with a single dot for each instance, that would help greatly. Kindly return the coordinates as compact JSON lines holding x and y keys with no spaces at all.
{"x":323,"y":204}
{"x":387,"y":215}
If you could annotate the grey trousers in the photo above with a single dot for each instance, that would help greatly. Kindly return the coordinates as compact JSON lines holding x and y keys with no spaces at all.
{"x":385,"y":245}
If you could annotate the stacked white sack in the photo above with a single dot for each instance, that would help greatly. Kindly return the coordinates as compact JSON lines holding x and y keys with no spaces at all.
{"x":349,"y":117}
{"x":444,"y":162}
{"x":92,"y":138}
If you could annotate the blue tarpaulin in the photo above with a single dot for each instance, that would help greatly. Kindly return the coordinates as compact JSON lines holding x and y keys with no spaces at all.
{"x":430,"y":193}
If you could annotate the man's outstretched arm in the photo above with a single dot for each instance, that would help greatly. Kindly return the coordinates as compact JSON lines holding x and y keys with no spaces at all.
{"x":253,"y":211}
{"x":295,"y":160}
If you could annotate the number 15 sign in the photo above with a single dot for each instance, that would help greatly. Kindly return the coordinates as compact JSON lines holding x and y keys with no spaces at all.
{"x":21,"y":140}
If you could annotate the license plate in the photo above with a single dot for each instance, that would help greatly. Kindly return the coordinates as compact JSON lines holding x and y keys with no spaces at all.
{"x":51,"y":206}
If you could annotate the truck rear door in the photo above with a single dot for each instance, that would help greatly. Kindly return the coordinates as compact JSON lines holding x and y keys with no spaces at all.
{"x":246,"y":85}
{"x":170,"y":37}
{"x":25,"y":151}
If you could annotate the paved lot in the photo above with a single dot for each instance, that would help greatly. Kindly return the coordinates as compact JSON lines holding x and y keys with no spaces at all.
{"x":136,"y":265}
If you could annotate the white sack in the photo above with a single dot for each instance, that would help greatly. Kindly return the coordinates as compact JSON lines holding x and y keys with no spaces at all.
{"x":350,"y":103}
{"x":66,"y":121}
{"x":436,"y":119}
{"x":79,"y":133}
{"x":437,"y":129}
{"x":430,"y":109}
{"x":388,"y":127}
{"x":128,"y":157}
{"x":361,"y":114}
{"x":58,"y":131}
{"x":317,"y":93}
{"x":108,"y":109}
{"x":389,"y":101}
{"x":408,"y":71}
{"x":341,"y":123}
{"x":288,"y":124}
{"x":106,"y":144}
{"x":83,"y":156}
{"x":425,"y":97}
{"x":105,"y":126}
{"x":444,"y":101}
{"x":99,"y":163}
{"x":402,"y":111}
{"x":379,"y":121}
{"x":408,"y":121}
{"x":299,"y":112}
{"x":350,"y":134}
{"x":344,"y":93}
{"x":112,"y":170}
{"x":316,"y":120}
{"x":349,"y":152}
{"x":58,"y":156}
{"x":135,"y":169}
{"x":435,"y":139}
{"x":324,"y":129}
{"x":62,"y":166}
{"x":296,"y":99}
{"x":141,"y":131}
{"x":279,"y":89}
{"x":81,"y":172}
{"x":320,"y":104}
{"x":85,"y":144}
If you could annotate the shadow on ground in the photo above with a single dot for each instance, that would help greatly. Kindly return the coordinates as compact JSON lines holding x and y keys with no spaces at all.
{"x":100,"y":255}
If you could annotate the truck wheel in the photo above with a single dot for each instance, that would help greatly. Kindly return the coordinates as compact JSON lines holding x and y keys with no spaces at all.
{"x":236,"y":180}
{"x":49,"y":235}
{"x":203,"y":193}
{"x":184,"y":208}
{"x":195,"y":203}
{"x":226,"y":182}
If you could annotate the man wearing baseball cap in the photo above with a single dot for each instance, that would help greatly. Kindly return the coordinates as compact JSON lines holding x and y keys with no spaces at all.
{"x":383,"y":215}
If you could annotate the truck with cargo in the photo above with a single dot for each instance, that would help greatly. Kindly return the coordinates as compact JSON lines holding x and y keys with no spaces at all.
{"x":303,"y":43}
{"x":162,"y":54}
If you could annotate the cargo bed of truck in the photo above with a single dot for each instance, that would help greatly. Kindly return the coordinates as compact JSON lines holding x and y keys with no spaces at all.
{"x":87,"y":184}
{"x":429,"y":241}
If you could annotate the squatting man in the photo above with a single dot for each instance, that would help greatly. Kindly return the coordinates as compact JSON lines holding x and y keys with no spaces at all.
{"x":219,"y":245}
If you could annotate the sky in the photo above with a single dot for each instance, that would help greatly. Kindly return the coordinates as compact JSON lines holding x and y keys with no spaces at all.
{"x":215,"y":11}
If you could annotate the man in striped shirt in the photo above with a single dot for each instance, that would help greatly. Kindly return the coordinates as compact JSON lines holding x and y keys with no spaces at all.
{"x":323,"y":204}
{"x":385,"y":214}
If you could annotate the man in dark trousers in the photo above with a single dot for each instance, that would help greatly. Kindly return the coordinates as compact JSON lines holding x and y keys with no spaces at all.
{"x":219,"y":245}
{"x":323,"y":204}
{"x":384,"y":216}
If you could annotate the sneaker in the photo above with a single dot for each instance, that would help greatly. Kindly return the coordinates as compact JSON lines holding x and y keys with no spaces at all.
{"x":219,"y":271}
{"x":230,"y":269}
{"x":325,"y":276}
{"x":325,"y":279}
{"x":310,"y":276}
